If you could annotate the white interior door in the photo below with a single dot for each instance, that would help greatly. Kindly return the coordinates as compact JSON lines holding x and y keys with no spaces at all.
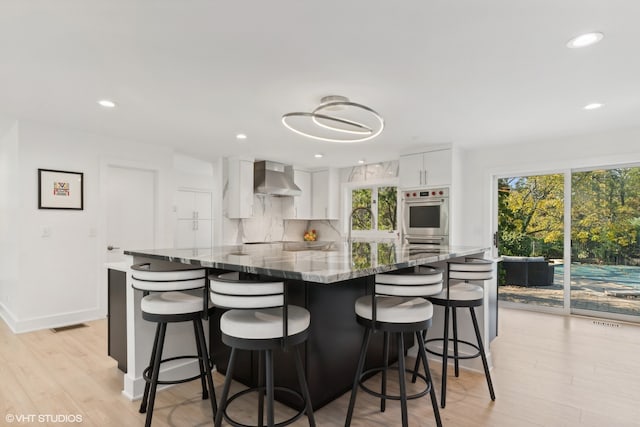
{"x":131,"y":218}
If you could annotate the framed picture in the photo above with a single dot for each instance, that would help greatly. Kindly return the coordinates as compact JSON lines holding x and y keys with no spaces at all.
{"x":60,"y":189}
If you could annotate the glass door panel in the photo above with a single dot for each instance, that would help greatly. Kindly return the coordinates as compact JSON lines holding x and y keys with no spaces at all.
{"x":530,"y":236}
{"x":605,"y":218}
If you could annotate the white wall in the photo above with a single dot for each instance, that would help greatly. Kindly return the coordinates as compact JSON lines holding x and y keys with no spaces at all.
{"x":9,"y":219}
{"x":61,"y":279}
{"x":475,"y":211}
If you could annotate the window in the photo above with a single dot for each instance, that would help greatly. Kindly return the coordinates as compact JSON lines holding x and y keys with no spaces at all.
{"x":379,"y":201}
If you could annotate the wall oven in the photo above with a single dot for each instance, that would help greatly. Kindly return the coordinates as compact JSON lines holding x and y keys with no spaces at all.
{"x":426,"y":216}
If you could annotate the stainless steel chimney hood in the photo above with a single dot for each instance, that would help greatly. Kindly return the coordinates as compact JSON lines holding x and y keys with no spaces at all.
{"x":274,"y":178}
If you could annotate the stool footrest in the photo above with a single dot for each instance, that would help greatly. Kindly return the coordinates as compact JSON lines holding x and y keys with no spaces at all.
{"x":392,"y":396}
{"x":147,"y":370}
{"x":263,"y":389}
{"x":450,"y":355}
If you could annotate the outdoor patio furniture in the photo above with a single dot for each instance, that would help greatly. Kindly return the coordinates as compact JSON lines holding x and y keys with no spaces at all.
{"x":527,"y":271}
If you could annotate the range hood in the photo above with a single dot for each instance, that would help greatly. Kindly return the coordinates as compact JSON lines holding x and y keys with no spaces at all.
{"x":274,"y":178}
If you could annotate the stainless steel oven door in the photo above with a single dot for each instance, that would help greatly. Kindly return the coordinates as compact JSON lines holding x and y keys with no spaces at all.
{"x":428,"y":219}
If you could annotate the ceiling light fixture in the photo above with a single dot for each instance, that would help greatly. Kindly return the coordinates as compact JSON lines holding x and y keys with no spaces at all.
{"x":592,"y":106}
{"x":361,"y":161}
{"x":584,"y":40}
{"x":318,"y":156}
{"x":336,"y":119}
{"x":241,"y":136}
{"x":107,"y":103}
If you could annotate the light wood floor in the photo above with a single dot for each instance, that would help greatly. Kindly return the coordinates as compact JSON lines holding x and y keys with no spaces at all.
{"x":549,"y":371}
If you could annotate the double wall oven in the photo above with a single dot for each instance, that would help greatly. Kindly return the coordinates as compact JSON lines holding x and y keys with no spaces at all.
{"x":426,"y":216}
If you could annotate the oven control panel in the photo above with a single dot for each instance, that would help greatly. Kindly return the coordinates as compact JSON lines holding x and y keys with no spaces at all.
{"x":426,"y":194}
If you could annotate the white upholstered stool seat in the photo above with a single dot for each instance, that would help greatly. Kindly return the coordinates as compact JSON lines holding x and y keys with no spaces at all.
{"x":462,"y":292}
{"x":172,"y":303}
{"x":263,"y":323}
{"x":392,"y":309}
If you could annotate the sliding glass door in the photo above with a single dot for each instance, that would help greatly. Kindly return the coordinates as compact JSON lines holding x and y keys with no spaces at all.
{"x":595,"y":271}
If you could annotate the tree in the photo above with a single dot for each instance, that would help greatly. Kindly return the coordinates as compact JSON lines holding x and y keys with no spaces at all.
{"x":530,"y":215}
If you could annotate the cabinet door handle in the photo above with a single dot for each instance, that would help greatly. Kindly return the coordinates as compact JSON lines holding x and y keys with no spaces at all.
{"x":425,"y":177}
{"x":421,"y":177}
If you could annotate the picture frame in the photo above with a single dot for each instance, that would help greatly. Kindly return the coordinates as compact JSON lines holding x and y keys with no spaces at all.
{"x":60,"y":189}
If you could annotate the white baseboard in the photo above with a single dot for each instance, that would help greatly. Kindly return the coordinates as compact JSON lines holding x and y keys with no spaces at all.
{"x":19,"y":326}
{"x":474,"y":365}
{"x":134,"y":387}
{"x":8,"y":317}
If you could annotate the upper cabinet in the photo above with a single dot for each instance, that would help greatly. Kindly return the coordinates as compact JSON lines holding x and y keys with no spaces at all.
{"x":430,"y":168}
{"x":193,"y":219}
{"x":326,"y":194}
{"x":299,"y":207}
{"x":239,"y":192}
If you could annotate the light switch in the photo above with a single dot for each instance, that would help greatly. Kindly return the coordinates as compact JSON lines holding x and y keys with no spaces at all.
{"x":93,"y":232}
{"x":46,"y":232}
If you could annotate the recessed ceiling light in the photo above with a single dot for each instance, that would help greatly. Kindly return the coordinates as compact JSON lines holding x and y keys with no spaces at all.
{"x":318,"y":156}
{"x":106,"y":103}
{"x":584,"y":40}
{"x":361,"y":161}
{"x":592,"y":106}
{"x":241,"y":136}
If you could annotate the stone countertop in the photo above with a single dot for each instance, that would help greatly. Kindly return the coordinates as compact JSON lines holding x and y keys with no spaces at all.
{"x":320,"y":262}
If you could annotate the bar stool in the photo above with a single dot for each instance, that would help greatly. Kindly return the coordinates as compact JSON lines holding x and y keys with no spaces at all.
{"x":170,"y":297}
{"x":461,"y":295}
{"x":255,"y":322}
{"x":396,"y":306}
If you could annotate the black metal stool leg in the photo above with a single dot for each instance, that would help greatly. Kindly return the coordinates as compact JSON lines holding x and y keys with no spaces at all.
{"x":304,"y":388}
{"x":422,"y":355}
{"x":483,"y":356}
{"x":155,"y":373}
{"x":261,"y":390}
{"x":417,"y":365}
{"x":385,"y":361}
{"x":356,"y":380}
{"x":403,"y":386}
{"x":445,"y":357}
{"x":269,"y":371}
{"x":206,"y":362}
{"x":225,"y":389}
{"x":456,"y":365}
{"x":145,"y":395}
{"x":203,"y":381}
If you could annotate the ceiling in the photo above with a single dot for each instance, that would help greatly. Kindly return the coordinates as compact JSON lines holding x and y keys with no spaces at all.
{"x":193,"y":74}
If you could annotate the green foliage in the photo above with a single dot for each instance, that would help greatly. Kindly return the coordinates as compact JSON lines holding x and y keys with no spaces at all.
{"x":387,"y":207}
{"x":530,"y":215}
{"x":605,"y":215}
{"x":361,"y":198}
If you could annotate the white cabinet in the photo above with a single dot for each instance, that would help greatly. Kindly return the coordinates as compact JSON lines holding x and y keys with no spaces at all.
{"x":240,"y":188}
{"x":431,"y":168}
{"x":326,"y":194}
{"x":299,"y":207}
{"x":193,"y":219}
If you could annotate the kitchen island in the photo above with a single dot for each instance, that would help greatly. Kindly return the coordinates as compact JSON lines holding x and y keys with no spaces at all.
{"x":324,"y":277}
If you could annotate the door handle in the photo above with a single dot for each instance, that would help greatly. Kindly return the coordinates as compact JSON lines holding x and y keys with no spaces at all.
{"x":110,"y":248}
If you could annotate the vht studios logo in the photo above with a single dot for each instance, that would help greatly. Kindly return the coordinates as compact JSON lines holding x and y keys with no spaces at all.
{"x":43,"y":418}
